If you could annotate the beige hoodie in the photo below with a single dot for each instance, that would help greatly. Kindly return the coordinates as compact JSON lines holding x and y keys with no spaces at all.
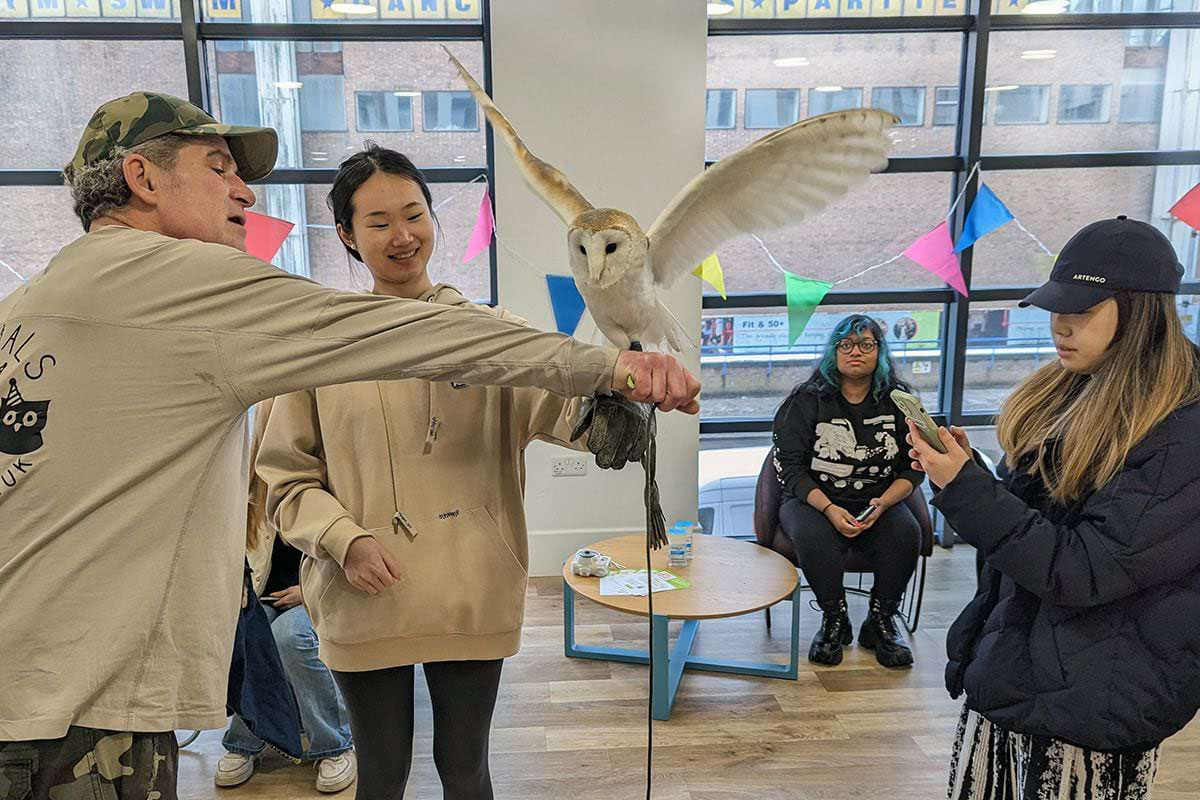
{"x":126,"y":368}
{"x":435,"y":473}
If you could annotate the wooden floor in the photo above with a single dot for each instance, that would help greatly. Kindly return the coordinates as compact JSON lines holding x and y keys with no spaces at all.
{"x":567,"y":728}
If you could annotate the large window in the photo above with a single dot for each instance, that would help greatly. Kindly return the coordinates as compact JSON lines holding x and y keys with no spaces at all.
{"x":324,"y":94}
{"x":326,"y":97}
{"x":1093,"y":88}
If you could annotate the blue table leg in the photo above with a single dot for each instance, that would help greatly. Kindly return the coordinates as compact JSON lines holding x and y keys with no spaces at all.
{"x":669,"y":666}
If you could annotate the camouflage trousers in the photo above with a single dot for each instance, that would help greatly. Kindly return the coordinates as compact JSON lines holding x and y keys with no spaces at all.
{"x":90,"y":764}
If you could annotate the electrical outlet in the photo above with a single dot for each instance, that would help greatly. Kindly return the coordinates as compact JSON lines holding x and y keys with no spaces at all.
{"x":569,"y":465}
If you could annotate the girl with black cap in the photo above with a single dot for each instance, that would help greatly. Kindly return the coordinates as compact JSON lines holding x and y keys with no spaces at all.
{"x":1080,"y":652}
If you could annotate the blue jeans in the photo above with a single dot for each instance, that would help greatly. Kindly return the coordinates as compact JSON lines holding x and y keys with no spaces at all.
{"x":322,"y":710}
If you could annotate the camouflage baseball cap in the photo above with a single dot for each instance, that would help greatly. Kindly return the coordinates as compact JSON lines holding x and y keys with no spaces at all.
{"x":141,"y":116}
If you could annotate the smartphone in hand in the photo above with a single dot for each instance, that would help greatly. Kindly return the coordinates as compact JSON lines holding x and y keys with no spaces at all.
{"x":911,"y":406}
{"x":865,"y":513}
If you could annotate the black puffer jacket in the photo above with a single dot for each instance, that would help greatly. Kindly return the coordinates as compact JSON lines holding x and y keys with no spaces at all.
{"x":1086,"y":626}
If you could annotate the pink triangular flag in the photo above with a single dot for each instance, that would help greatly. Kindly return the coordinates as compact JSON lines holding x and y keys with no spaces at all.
{"x":481,"y":237}
{"x":1187,"y":210}
{"x":265,"y":235}
{"x":935,"y":252}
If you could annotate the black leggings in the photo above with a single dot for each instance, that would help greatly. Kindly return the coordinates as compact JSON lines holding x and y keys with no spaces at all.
{"x":380,"y":702}
{"x":892,"y":546}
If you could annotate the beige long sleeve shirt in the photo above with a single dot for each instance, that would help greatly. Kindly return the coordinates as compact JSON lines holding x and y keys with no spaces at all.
{"x":126,"y":368}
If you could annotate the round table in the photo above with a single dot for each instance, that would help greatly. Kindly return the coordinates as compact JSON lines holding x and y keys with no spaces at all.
{"x":728,"y":577}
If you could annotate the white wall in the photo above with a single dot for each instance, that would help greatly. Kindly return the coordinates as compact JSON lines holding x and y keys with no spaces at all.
{"x":612,"y":93}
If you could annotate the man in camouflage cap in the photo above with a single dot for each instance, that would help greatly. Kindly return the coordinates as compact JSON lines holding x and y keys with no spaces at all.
{"x":139,"y":117}
{"x":133,"y":357}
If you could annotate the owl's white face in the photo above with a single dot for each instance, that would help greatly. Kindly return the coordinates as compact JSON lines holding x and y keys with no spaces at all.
{"x":600,"y":257}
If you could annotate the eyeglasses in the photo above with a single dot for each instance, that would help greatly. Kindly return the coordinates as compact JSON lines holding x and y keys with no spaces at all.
{"x":865,"y":346}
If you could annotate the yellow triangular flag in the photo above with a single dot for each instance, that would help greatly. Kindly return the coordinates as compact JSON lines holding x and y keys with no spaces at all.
{"x":711,"y":273}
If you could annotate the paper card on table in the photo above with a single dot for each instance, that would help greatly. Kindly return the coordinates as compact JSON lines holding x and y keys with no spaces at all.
{"x":566,"y":302}
{"x":986,"y":215}
{"x":711,"y":273}
{"x":481,"y":236}
{"x":935,"y":252}
{"x":1187,"y":210}
{"x":803,"y":297}
{"x":265,"y":234}
{"x":632,"y":582}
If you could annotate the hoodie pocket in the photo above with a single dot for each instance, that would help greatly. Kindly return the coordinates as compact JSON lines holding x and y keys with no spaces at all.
{"x":460,"y":578}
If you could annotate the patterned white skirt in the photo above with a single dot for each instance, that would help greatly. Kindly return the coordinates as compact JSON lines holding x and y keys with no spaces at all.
{"x":990,"y":763}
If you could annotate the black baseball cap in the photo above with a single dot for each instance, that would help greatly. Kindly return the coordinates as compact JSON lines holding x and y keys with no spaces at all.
{"x":1104,"y":258}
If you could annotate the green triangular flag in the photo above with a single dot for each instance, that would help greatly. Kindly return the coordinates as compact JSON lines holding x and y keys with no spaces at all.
{"x":803,"y":297}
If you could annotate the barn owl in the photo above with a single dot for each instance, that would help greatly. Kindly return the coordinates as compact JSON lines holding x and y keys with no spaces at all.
{"x":775,"y":182}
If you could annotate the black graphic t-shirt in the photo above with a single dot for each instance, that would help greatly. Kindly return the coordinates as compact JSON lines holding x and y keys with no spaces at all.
{"x":851,"y":451}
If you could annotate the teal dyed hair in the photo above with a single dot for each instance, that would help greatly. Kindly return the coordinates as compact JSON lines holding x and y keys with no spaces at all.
{"x":826,"y":374}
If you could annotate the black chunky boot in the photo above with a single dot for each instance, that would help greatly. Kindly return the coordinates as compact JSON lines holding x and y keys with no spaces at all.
{"x":834,"y":633}
{"x":880,"y":633}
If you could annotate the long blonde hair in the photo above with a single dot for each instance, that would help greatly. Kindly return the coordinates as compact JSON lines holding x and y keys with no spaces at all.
{"x":256,"y":511}
{"x":1150,"y":370}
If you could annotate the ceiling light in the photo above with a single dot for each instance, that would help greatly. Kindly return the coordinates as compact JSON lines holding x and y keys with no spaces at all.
{"x":792,"y":61}
{"x":318,"y":158}
{"x":1045,"y":7}
{"x":319,"y":153}
{"x":1007,"y":88}
{"x":287,"y":84}
{"x":352,"y":8}
{"x":719,"y":9}
{"x":406,"y":94}
{"x":828,"y":89}
{"x":1038,"y":55}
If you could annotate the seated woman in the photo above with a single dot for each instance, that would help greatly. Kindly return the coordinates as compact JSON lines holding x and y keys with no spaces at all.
{"x":837,"y":453}
{"x":275,"y":572}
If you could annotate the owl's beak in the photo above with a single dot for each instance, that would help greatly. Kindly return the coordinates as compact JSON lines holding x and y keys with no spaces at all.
{"x":595,"y":266}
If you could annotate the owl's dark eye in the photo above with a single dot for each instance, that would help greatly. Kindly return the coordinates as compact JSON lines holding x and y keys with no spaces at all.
{"x":612,"y":248}
{"x":582,"y":250}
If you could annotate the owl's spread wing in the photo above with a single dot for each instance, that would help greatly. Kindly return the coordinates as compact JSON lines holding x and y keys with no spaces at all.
{"x":545,"y":180}
{"x":778,"y":181}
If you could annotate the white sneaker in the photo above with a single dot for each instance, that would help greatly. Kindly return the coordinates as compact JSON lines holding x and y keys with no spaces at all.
{"x":234,"y":769}
{"x":336,"y":773}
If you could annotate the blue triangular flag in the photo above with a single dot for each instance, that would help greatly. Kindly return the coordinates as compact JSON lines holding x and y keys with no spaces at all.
{"x":986,"y":215}
{"x":566,"y":301}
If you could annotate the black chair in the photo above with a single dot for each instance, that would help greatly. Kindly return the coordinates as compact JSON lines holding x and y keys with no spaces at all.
{"x":767,"y":531}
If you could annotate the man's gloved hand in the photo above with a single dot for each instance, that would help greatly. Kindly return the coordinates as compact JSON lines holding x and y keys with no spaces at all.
{"x":616,"y":429}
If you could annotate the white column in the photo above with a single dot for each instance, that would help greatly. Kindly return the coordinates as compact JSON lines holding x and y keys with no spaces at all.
{"x":612,"y":93}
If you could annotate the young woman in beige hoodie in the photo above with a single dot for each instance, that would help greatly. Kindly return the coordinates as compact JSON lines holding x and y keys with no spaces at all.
{"x":407,"y":499}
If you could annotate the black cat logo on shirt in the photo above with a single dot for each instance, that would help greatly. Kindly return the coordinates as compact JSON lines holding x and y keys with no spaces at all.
{"x":21,"y":422}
